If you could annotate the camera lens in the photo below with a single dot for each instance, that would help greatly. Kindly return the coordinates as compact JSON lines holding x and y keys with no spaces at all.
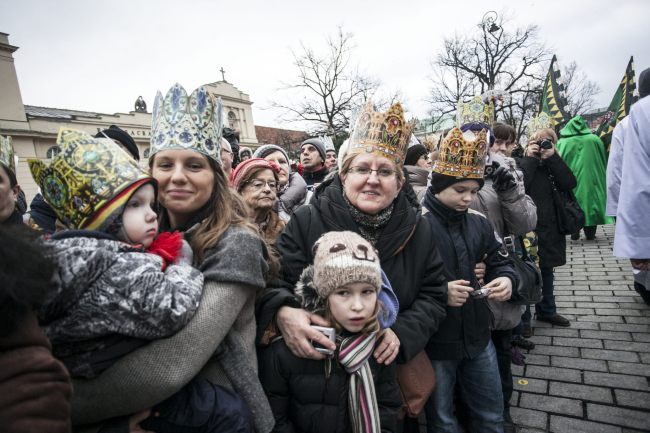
{"x":545,"y":144}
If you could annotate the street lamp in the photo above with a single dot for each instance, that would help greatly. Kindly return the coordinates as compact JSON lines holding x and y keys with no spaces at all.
{"x":489,"y":21}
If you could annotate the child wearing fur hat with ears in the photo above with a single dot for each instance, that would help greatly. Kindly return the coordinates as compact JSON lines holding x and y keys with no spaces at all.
{"x":349,"y":391}
{"x":118,"y":284}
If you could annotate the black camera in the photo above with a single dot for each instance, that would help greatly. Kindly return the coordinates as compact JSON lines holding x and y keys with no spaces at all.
{"x":490,"y":169}
{"x":545,"y":144}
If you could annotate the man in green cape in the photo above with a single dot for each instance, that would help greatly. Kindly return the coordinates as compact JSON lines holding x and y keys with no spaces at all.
{"x":584,"y":153}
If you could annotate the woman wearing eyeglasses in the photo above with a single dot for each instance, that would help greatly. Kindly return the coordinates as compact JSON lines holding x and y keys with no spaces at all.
{"x":256,"y":180}
{"x":365,"y":197}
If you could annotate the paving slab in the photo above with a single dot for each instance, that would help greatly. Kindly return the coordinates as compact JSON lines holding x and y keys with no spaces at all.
{"x":593,"y":376}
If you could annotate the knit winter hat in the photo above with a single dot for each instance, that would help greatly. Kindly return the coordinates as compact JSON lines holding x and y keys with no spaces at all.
{"x":318,"y":144}
{"x":115,"y":133}
{"x":342,"y":258}
{"x":267,"y":149}
{"x":244,"y":169}
{"x":414,"y":153}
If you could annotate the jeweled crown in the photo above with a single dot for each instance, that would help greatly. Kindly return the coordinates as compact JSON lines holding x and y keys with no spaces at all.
{"x":85,"y":178}
{"x":384,"y":134}
{"x":462,"y":154}
{"x":7,"y":153}
{"x":187,"y":122}
{"x":539,"y":122}
{"x":474,"y":111}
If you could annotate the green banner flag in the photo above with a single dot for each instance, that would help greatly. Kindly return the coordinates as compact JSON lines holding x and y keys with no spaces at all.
{"x":625,"y":96}
{"x":553,"y":101}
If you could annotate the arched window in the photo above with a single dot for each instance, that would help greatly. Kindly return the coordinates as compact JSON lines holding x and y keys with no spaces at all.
{"x":232,"y":120}
{"x":52,"y":152}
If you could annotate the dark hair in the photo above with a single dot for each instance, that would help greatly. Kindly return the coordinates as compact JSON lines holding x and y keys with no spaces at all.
{"x":13,"y":181}
{"x":25,"y":273}
{"x":503,"y":131}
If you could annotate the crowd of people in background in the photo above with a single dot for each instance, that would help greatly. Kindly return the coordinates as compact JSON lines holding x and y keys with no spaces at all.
{"x":220,"y":288}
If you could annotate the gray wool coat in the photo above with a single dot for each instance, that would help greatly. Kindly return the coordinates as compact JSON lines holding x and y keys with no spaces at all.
{"x":511,"y":212}
{"x":223,"y":329}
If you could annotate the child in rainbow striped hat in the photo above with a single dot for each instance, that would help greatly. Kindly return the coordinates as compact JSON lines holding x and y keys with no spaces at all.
{"x":344,"y":285}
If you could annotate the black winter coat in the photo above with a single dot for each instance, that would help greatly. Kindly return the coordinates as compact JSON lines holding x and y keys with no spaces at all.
{"x":551,"y":243}
{"x":315,"y":177}
{"x":465,"y":239}
{"x":306,"y":398}
{"x":406,"y":250}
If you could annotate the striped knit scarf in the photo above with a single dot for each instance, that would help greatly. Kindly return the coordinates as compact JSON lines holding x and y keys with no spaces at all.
{"x":362,"y":400}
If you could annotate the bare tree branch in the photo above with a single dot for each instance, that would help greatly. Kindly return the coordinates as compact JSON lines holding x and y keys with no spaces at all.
{"x":328,"y":87}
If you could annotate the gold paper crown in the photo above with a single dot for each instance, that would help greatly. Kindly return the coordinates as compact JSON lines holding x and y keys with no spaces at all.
{"x":539,"y":122}
{"x":460,"y":157}
{"x":88,"y":180}
{"x":474,"y":111}
{"x":384,"y":134}
{"x":7,"y":154}
{"x":182,"y":122}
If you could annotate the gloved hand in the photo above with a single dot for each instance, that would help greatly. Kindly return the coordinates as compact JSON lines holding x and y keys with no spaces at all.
{"x":503,"y":180}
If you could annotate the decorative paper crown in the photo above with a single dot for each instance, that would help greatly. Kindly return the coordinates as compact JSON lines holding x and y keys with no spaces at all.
{"x":384,"y":134}
{"x":327,"y":141}
{"x":88,"y":180}
{"x":182,"y":122}
{"x":461,"y":157}
{"x":7,"y":154}
{"x":539,"y":122}
{"x":474,"y":111}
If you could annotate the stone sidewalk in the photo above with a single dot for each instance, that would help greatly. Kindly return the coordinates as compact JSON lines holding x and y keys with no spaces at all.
{"x":595,"y":375}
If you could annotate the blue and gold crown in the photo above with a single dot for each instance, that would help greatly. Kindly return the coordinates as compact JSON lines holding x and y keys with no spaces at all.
{"x":88,"y":180}
{"x":540,"y":122}
{"x":474,"y":111}
{"x":187,"y":122}
{"x":7,"y":154}
{"x":462,"y":154}
{"x":384,"y":134}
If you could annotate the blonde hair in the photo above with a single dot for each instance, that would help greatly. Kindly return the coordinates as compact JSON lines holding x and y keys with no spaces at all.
{"x":548,"y":131}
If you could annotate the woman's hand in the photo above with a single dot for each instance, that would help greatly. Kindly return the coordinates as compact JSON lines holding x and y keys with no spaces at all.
{"x":532,"y":149}
{"x":136,"y":419}
{"x":294,"y":323}
{"x":479,"y":271}
{"x":500,"y":289}
{"x":458,"y":292}
{"x":388,"y":349}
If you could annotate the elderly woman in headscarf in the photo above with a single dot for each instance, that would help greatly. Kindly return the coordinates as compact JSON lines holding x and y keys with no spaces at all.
{"x":256,"y":180}
{"x":292,"y":188}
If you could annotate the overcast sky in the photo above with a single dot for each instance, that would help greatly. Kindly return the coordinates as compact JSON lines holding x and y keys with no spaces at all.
{"x":100,"y":55}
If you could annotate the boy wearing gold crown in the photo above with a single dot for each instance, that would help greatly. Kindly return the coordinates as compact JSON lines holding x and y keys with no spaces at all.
{"x":118,"y":283}
{"x":461,"y":351}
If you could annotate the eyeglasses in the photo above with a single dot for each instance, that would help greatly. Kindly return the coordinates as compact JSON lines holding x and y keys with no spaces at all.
{"x":384,"y":173}
{"x":257,"y":184}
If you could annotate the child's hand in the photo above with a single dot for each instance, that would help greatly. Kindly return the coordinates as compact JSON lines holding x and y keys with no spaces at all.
{"x":500,"y":289}
{"x":135,"y":419}
{"x":387,"y":350}
{"x":458,"y":292}
{"x":294,"y":323}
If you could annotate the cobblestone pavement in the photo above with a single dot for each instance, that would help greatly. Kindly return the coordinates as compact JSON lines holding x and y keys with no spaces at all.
{"x":595,"y":375}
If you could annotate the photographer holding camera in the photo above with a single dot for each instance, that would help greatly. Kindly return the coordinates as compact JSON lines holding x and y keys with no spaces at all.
{"x":543,"y":168}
